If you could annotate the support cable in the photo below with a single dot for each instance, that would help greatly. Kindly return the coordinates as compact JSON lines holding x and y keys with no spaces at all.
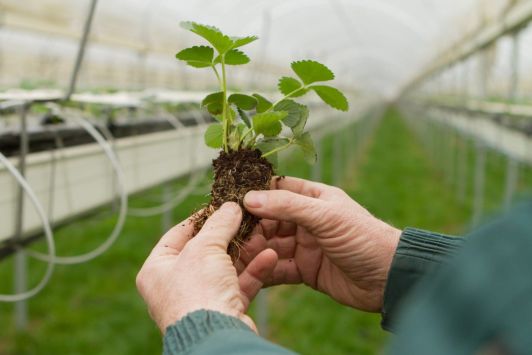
{"x":50,"y":243}
{"x":122,"y":214}
{"x":194,"y":180}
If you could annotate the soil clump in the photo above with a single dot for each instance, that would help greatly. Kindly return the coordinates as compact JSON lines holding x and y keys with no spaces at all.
{"x":235,"y":174}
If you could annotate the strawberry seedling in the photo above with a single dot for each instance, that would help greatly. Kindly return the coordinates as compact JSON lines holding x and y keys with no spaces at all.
{"x":249,"y":127}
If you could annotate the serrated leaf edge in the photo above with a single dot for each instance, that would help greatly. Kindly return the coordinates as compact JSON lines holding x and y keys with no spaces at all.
{"x":316,"y":62}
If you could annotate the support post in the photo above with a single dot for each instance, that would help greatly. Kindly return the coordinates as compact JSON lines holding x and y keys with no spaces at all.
{"x":512,"y":177}
{"x":449,"y":173}
{"x":514,"y":63}
{"x":81,"y":50}
{"x":480,"y":175}
{"x":20,"y":279}
{"x":512,"y":168}
{"x":462,"y":171}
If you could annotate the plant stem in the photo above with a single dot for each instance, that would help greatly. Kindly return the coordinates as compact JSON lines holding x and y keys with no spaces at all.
{"x":225,"y":116}
{"x":278,"y":149}
{"x":217,"y":76}
{"x":245,"y":134}
{"x":286,"y":97}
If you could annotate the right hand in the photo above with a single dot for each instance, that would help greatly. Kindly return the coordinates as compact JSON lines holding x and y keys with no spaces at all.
{"x":323,"y":239}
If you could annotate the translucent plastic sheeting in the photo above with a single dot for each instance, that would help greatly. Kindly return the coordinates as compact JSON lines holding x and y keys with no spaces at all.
{"x":373,"y":46}
{"x":524,"y":87}
{"x":488,"y":73}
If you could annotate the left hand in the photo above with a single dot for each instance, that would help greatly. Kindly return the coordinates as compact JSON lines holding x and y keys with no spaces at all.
{"x":182,"y":275}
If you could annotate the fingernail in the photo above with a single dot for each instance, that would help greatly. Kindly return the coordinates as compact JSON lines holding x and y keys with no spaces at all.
{"x":230,"y":207}
{"x":255,"y":199}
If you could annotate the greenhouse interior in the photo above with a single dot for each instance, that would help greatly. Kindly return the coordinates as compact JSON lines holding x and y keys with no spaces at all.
{"x":115,"y":120}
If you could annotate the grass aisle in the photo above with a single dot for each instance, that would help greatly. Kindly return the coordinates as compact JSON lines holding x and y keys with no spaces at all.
{"x":94,"y":308}
{"x":396,"y":182}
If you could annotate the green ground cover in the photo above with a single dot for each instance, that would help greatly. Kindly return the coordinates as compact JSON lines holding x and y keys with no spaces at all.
{"x":94,"y":308}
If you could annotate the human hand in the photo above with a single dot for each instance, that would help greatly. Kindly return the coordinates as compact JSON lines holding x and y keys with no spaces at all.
{"x":323,"y":239}
{"x":182,"y":275}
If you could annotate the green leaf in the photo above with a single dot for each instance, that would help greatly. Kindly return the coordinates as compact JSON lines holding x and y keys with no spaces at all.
{"x":262,"y":103}
{"x":244,"y":116}
{"x":289,"y":86}
{"x":299,"y":128}
{"x":241,"y":127}
{"x":214,"y":103}
{"x":213,"y":135}
{"x":246,"y":136}
{"x":233,"y":57}
{"x":236,"y":57}
{"x":197,"y":56}
{"x":245,"y":102}
{"x":268,"y":124}
{"x":332,"y":97}
{"x":242,"y":41}
{"x":213,"y":35}
{"x":307,"y":147}
{"x":216,"y":97}
{"x":273,"y":159}
{"x":310,"y":71}
{"x":234,"y":136}
{"x":297,"y":114}
{"x":231,"y":114}
{"x":267,"y":145}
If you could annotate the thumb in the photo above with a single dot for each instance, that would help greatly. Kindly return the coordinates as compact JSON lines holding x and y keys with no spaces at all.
{"x":221,"y":227}
{"x":282,"y":205}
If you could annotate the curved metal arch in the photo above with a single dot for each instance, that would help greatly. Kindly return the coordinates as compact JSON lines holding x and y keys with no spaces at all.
{"x":392,"y":12}
{"x":377,"y":83}
{"x":341,"y":52}
{"x":371,"y":57}
{"x":391,"y":76}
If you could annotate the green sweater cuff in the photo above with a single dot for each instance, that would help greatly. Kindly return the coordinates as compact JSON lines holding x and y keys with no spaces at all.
{"x":196,"y":327}
{"x":418,"y":252}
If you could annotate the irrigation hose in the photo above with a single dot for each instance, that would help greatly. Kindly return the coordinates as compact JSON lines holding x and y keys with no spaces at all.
{"x":122,"y":191}
{"x":47,"y":232}
{"x":183,"y":193}
{"x":171,"y":204}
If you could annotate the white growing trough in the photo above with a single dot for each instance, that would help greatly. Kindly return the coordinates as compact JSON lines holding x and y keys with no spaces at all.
{"x":84,"y":179}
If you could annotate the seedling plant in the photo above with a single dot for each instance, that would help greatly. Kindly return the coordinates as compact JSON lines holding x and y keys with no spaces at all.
{"x":249,"y":127}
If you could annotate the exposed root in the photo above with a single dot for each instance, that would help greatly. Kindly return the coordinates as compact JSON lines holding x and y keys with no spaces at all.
{"x":235,"y":174}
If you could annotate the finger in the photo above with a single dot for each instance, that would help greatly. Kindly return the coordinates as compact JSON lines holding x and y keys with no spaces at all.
{"x":252,"y":248}
{"x":285,"y":272}
{"x":298,"y":186}
{"x":284,"y":247}
{"x":221,"y":227}
{"x":285,"y":206}
{"x":255,"y":274}
{"x":249,"y":322}
{"x":271,"y":228}
{"x":257,"y":230}
{"x":286,"y":229}
{"x":239,"y":266}
{"x":175,"y":239}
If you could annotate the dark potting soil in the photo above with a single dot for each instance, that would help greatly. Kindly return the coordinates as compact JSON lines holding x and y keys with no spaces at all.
{"x":235,"y":174}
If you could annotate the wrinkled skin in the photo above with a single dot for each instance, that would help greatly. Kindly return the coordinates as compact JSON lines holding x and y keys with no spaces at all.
{"x":311,"y":233}
{"x":182,"y":275}
{"x":323,"y":239}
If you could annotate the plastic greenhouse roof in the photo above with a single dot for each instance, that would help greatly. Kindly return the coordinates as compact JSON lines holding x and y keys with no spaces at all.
{"x":373,"y":45}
